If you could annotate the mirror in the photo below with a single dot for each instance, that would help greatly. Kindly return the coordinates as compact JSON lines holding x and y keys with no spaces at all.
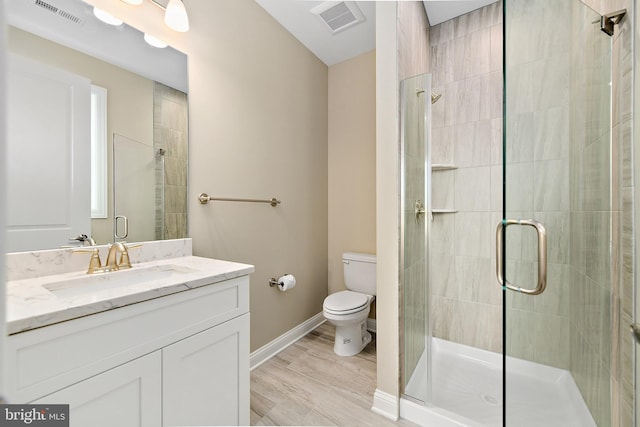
{"x":145,"y":111}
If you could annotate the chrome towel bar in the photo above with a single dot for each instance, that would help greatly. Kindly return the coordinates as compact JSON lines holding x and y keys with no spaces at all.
{"x":204,"y":198}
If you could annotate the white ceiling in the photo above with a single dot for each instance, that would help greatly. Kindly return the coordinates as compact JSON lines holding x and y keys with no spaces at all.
{"x":296,"y":16}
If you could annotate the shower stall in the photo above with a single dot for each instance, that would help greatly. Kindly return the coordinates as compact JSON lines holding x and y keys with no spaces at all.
{"x":516,"y":206}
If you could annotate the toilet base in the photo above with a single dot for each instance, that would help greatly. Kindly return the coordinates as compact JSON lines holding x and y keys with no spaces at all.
{"x":351,"y":339}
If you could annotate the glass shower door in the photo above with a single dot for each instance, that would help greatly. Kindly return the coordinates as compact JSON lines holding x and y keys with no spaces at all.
{"x":134,"y":179}
{"x":415,"y":95}
{"x":553,"y":243}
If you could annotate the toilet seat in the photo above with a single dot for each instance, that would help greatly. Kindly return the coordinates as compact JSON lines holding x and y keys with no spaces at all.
{"x":345,"y":302}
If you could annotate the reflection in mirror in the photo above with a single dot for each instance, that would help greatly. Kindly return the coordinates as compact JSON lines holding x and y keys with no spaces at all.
{"x":134,"y":172}
{"x":147,"y":106}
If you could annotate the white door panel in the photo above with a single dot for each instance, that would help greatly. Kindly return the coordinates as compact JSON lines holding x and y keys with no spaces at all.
{"x":49,"y":175}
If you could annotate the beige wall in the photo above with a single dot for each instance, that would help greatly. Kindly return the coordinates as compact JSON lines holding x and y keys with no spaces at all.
{"x":257,"y":129}
{"x":126,"y":92}
{"x":258,"y":117}
{"x":352,"y":154}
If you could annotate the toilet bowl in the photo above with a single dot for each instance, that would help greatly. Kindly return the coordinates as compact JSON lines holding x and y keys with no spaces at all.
{"x":348,"y":310}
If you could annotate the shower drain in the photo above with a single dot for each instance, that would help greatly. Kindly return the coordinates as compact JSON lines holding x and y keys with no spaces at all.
{"x":492,"y":400}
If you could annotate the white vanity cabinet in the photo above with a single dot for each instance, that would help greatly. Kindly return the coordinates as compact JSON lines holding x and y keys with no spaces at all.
{"x":177,"y":360}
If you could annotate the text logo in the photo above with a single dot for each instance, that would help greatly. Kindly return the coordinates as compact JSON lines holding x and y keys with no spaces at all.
{"x":34,"y":415}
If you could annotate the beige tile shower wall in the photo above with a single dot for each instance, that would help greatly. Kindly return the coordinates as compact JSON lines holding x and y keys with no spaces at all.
{"x":629,"y":395}
{"x":352,"y":162}
{"x":622,"y":219}
{"x":171,"y":133}
{"x":466,"y":63}
{"x":592,"y":215}
{"x":537,"y":173}
{"x":413,"y":39}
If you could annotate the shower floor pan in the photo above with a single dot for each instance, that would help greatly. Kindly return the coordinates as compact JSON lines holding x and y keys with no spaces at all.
{"x":467,"y":391}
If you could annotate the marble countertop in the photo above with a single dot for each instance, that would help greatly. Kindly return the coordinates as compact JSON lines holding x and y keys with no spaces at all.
{"x":31,"y":304}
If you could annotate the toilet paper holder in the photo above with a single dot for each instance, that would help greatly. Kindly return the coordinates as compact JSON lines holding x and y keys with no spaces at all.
{"x":274,"y":282}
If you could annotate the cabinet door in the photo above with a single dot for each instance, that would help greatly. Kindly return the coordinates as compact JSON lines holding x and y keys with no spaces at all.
{"x":206,"y":377}
{"x":129,"y":395}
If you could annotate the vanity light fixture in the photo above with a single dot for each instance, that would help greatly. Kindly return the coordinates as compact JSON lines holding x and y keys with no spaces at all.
{"x":175,"y":16}
{"x":154,"y":41}
{"x":106,"y":17}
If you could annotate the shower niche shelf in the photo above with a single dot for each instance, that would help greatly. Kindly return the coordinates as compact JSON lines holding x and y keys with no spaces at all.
{"x":436,"y":167}
{"x":441,"y":167}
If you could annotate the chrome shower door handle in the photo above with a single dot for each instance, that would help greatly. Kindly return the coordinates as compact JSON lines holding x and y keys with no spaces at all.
{"x":126,"y":227}
{"x":542,"y":255}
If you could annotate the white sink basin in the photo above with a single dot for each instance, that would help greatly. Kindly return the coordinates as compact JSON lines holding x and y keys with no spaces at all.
{"x":115,"y":279}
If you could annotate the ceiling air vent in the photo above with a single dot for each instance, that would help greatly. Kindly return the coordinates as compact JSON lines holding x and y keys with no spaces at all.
{"x":338,"y":15}
{"x":62,"y":13}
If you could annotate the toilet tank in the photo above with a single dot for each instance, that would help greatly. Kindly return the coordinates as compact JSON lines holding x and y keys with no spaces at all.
{"x":360,"y":272}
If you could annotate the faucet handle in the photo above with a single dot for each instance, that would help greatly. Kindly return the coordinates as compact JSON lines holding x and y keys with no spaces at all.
{"x":95,"y":265}
{"x":125,"y":261}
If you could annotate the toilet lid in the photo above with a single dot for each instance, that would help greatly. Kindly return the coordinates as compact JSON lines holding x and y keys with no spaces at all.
{"x":345,"y":301}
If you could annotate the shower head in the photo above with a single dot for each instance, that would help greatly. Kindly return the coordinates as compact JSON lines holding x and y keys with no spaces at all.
{"x":435,"y":97}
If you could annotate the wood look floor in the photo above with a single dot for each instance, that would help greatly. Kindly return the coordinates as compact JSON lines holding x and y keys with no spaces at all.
{"x":307,"y":384}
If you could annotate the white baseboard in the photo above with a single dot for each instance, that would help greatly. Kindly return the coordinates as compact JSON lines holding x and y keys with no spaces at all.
{"x":274,"y":347}
{"x":386,"y":405}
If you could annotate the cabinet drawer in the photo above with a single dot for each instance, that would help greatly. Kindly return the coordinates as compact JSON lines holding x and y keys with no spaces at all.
{"x":44,"y":360}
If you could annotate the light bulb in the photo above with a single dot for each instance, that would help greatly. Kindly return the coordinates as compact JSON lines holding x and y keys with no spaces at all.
{"x":176,"y":16}
{"x":154,"y":41}
{"x":105,"y":17}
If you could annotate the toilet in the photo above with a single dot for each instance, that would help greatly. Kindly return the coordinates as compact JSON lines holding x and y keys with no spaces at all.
{"x":348,"y":310}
